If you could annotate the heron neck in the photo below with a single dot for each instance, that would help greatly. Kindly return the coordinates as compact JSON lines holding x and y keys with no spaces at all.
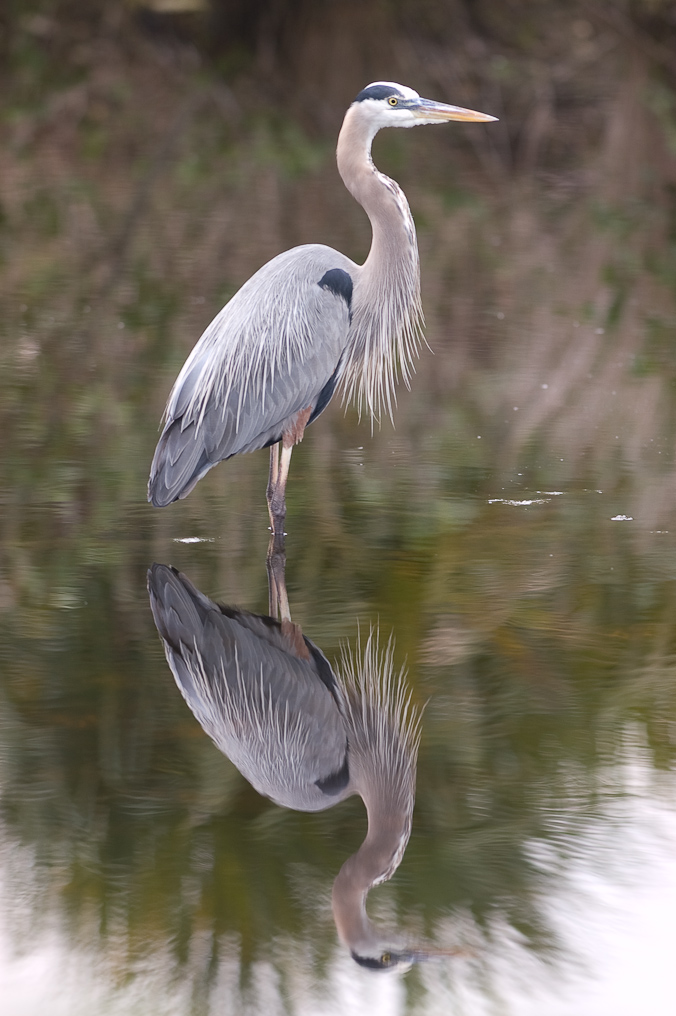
{"x":386,"y":309}
{"x":394,"y":237}
{"x":374,"y":862}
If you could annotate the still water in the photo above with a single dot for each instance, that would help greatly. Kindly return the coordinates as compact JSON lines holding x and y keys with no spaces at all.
{"x":141,"y":873}
{"x":515,"y":535}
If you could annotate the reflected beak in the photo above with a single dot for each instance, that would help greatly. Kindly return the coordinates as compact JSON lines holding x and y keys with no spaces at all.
{"x":427,"y":109}
{"x":423,"y":955}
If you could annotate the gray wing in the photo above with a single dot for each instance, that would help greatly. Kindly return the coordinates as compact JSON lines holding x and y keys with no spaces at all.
{"x":273,"y":712}
{"x":275,"y":349}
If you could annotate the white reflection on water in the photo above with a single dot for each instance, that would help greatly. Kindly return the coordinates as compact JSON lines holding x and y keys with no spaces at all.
{"x":615,"y":918}
{"x":516,"y":504}
{"x":617,"y":926}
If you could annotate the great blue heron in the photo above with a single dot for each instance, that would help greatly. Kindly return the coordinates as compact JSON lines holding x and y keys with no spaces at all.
{"x":307,"y":322}
{"x":302,"y":734}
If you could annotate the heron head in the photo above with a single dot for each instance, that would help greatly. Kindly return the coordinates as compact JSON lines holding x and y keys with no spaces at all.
{"x":400,"y":959}
{"x":387,"y":104}
{"x":382,"y":950}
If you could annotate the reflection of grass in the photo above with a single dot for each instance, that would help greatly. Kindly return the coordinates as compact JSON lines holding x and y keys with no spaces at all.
{"x":535,"y":658}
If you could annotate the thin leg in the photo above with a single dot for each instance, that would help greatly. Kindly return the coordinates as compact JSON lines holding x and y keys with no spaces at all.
{"x":279,"y":468}
{"x":283,"y":598}
{"x":279,"y":600}
{"x":272,"y":480}
{"x":277,"y":502}
{"x":273,"y":599}
{"x":276,"y":564}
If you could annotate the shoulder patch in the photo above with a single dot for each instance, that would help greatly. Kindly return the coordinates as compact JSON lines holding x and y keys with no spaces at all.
{"x":326,"y":394}
{"x":339,"y":282}
{"x":333,"y":784}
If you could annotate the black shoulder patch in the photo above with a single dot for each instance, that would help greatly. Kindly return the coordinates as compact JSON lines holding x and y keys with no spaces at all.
{"x":378,"y":92}
{"x":336,"y":782}
{"x":339,"y":282}
{"x":326,"y":394}
{"x":322,"y":667}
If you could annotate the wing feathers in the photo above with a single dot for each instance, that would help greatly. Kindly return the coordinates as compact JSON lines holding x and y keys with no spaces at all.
{"x":270,"y":353}
{"x":271,"y":712}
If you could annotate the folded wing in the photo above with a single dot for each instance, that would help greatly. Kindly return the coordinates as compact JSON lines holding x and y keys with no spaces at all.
{"x":273,"y":351}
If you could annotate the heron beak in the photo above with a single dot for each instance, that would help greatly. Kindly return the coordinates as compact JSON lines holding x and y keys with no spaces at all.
{"x":424,"y":955}
{"x":427,"y":109}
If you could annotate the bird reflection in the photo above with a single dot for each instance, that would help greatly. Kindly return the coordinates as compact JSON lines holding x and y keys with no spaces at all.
{"x":303,"y":734}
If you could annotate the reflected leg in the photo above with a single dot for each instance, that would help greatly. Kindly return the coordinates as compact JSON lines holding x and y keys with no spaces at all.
{"x":276,"y":565}
{"x":279,"y":600}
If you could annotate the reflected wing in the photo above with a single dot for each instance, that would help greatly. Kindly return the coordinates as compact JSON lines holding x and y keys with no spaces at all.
{"x":266,"y":696}
{"x":274,"y":350}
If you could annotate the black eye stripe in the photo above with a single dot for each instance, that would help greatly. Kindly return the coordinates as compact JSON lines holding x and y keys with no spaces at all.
{"x":378,"y":92}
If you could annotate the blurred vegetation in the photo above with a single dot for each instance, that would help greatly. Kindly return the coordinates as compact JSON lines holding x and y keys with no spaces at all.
{"x":543,"y":639}
{"x":152,"y":156}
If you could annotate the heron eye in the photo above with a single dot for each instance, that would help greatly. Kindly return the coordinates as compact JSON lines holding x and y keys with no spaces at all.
{"x":392,"y":100}
{"x":386,"y":957}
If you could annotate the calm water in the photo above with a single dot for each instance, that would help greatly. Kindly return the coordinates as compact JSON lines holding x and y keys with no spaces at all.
{"x":516,"y":535}
{"x":140,"y":873}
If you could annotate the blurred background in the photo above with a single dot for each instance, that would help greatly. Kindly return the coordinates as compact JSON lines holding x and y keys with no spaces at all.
{"x":515,"y":531}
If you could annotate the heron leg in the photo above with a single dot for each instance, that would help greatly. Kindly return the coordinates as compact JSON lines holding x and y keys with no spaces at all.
{"x":272,"y":480}
{"x":276,"y":564}
{"x":279,"y":599}
{"x":272,"y":583}
{"x":277,"y":495}
{"x":279,"y":469}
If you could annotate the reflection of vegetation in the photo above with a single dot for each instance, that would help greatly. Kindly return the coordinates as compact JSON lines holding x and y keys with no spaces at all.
{"x":543,"y":639}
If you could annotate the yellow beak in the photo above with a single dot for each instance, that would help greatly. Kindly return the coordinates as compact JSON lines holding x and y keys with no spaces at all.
{"x":427,"y":109}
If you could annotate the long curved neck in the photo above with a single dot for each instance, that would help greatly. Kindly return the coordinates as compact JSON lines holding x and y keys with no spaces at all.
{"x":389,"y":827}
{"x":387,"y":313}
{"x":394,"y":239}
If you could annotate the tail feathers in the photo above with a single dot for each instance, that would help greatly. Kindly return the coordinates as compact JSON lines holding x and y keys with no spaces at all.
{"x":180,"y":460}
{"x":182,"y":614}
{"x":179,"y":608}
